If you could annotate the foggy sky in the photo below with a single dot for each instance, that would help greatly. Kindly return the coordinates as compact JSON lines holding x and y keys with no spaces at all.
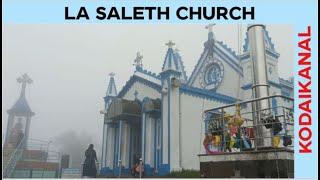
{"x":69,"y":65}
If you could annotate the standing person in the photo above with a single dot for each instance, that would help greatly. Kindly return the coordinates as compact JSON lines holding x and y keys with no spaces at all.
{"x":89,"y":166}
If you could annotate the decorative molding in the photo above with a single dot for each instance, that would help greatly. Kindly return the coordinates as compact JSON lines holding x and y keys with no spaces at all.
{"x":207,"y":94}
{"x":223,"y":56}
{"x":134,"y":79}
{"x":146,"y":72}
{"x":270,"y":50}
{"x":203,"y":73}
{"x":279,"y":85}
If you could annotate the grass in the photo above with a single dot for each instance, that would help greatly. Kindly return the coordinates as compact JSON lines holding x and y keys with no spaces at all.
{"x":185,"y":173}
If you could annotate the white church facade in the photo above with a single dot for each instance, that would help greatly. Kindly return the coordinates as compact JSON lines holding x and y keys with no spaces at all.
{"x":158,"y":118}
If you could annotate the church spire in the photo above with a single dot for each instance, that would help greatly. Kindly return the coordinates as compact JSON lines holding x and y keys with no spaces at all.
{"x":170,"y":59}
{"x":180,"y":66}
{"x":173,"y":62}
{"x":21,"y":106}
{"x":112,"y":90}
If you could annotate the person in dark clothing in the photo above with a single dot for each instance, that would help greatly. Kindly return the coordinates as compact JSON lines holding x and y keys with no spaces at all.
{"x":89,"y":166}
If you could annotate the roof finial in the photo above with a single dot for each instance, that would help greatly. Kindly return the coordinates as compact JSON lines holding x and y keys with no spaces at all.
{"x":112,"y":74}
{"x":138,"y":60}
{"x":210,"y":28}
{"x":24,"y":80}
{"x":170,"y":44}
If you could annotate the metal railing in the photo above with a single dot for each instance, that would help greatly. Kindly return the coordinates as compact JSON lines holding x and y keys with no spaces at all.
{"x":243,"y":127}
{"x":14,"y":157}
{"x":30,"y":150}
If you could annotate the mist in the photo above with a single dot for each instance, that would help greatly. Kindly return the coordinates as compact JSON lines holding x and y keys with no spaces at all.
{"x":69,"y":66}
{"x":74,"y":144}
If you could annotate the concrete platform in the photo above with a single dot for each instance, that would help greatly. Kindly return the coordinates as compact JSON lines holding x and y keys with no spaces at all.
{"x":268,"y":163}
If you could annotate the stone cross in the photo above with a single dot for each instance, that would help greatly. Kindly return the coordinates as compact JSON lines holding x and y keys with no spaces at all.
{"x":24,"y":80}
{"x":170,"y":44}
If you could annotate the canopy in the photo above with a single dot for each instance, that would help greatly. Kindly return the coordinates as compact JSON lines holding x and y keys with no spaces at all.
{"x":121,"y":109}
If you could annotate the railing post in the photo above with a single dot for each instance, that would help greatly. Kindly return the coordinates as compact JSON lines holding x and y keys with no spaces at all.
{"x":140,"y":168}
{"x":223,"y":132}
{"x":120,"y":168}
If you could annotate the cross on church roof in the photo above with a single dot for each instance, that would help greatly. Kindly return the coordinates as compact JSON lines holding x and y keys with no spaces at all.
{"x":210,"y":26}
{"x":112,"y":74}
{"x":24,"y":80}
{"x":139,"y":56}
{"x":138,"y":60}
{"x":170,"y":44}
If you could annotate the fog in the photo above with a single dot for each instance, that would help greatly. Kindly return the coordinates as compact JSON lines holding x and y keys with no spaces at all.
{"x":69,"y":65}
{"x":74,"y":143}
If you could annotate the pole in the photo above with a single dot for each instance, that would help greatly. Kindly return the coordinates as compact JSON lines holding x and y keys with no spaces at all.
{"x":119,"y":168}
{"x":140,"y":169}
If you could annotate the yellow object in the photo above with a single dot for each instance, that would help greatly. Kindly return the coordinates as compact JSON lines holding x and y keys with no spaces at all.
{"x":227,"y":117}
{"x":217,"y":140}
{"x":232,"y":142}
{"x":276,"y":141}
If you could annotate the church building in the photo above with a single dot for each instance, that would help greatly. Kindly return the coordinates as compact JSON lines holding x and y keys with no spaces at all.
{"x":158,"y":117}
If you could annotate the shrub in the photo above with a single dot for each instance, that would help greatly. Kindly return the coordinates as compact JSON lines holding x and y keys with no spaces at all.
{"x":184,"y":173}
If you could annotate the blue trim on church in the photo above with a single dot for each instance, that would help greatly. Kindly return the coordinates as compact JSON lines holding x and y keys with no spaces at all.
{"x":106,"y":171}
{"x":207,"y":94}
{"x":146,"y":72}
{"x":269,"y":51}
{"x":232,"y":62}
{"x":169,"y":112}
{"x":163,"y":169}
{"x":135,"y":78}
{"x":271,"y":83}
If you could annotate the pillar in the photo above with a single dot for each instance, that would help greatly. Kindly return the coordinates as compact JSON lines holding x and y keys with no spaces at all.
{"x":125,"y":146}
{"x":150,"y":145}
{"x":109,"y":150}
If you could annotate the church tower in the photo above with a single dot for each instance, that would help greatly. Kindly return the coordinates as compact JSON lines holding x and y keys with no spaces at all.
{"x":19,"y":119}
{"x":108,"y":131}
{"x":171,"y":76}
{"x":111,"y":91}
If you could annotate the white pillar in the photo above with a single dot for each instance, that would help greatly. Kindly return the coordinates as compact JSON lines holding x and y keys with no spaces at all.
{"x":165,"y":125}
{"x":119,"y":143}
{"x":174,"y":129}
{"x":104,"y":142}
{"x":110,"y":146}
{"x":150,"y":143}
{"x":143,"y":136}
{"x":125,"y":144}
{"x":171,"y":127}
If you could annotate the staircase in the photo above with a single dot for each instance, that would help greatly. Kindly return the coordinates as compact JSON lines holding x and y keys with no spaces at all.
{"x":11,"y":156}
